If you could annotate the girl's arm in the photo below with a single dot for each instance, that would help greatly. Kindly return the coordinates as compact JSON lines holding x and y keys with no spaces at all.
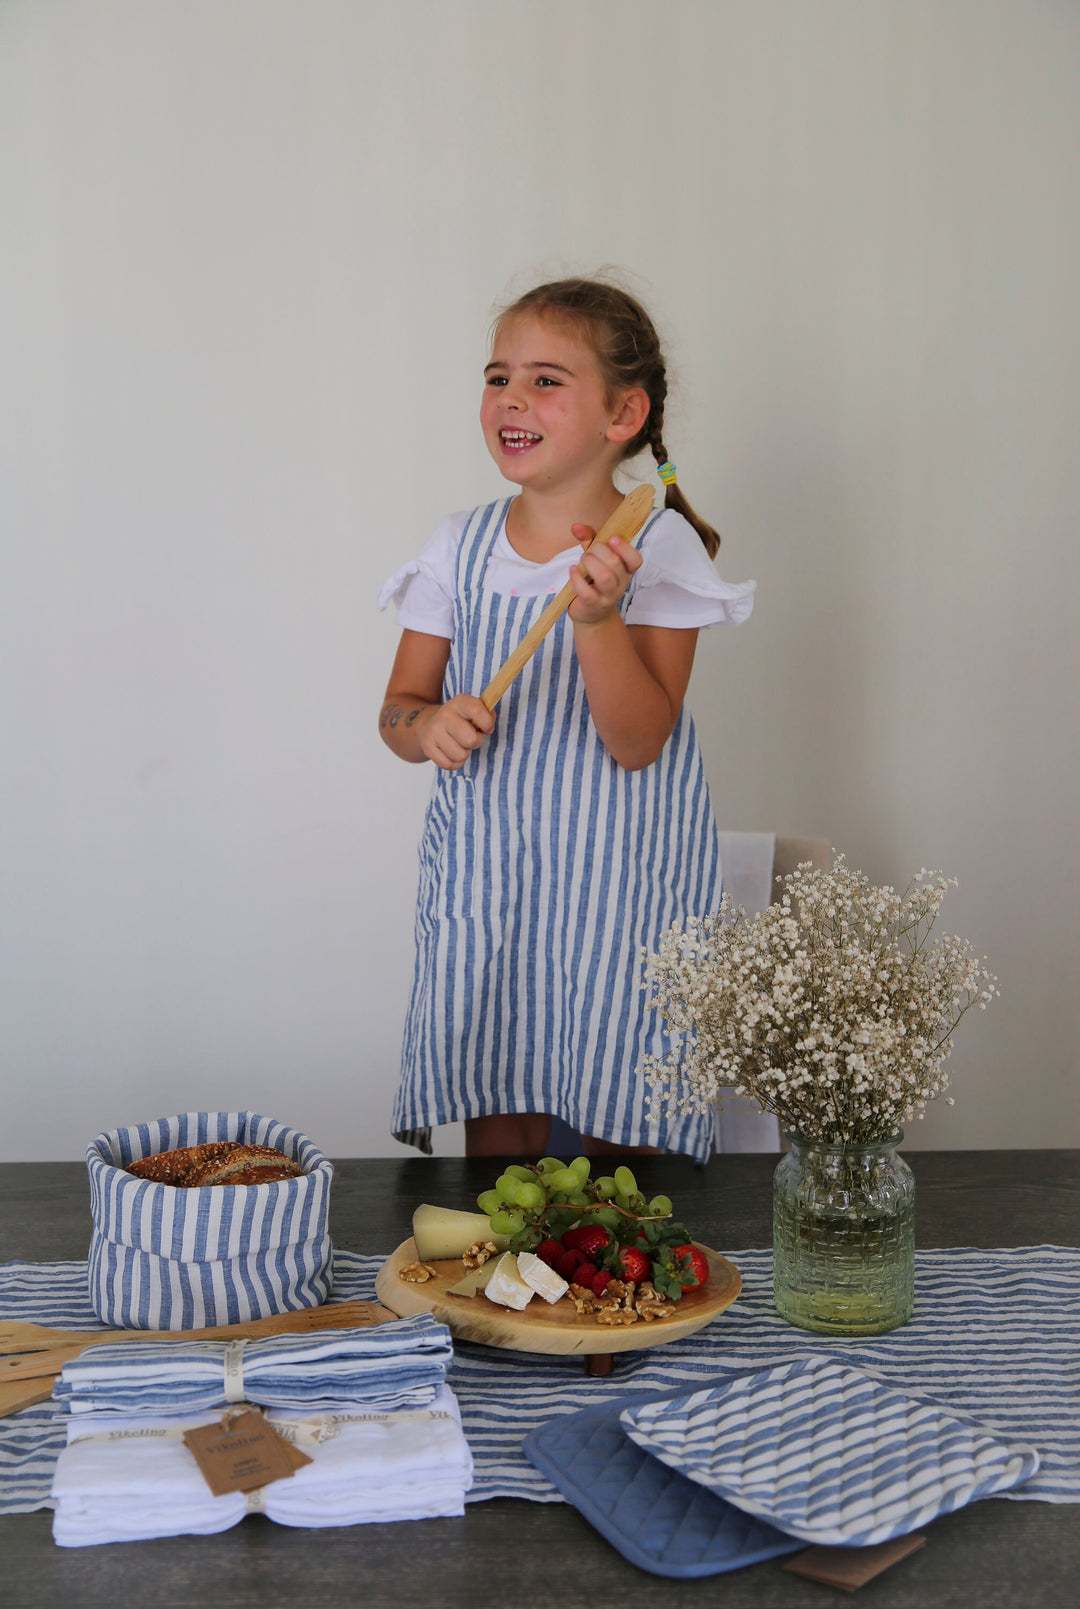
{"x":635,"y":676}
{"x":635,"y":682}
{"x":414,"y":722}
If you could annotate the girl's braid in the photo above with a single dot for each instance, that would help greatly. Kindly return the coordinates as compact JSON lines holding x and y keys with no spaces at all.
{"x":657,"y":399}
{"x":653,"y":438}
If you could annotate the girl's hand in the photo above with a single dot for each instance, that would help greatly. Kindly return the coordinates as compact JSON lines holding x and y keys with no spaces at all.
{"x":602,"y":576}
{"x":448,"y":733}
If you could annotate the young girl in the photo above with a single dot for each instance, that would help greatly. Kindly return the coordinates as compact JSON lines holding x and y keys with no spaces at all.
{"x":567,"y":830}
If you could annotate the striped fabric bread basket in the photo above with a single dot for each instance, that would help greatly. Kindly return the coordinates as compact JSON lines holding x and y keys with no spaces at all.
{"x":163,"y":1258}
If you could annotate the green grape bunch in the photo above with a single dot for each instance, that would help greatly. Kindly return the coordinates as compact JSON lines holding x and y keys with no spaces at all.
{"x":533,"y":1203}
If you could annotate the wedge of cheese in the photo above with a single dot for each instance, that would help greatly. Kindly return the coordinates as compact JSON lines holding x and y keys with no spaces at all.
{"x":444,"y":1232}
{"x":474,"y":1281}
{"x":544,"y":1280}
{"x":506,"y":1285}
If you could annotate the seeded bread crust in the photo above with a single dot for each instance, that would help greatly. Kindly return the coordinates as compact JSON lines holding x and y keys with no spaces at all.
{"x":259,"y":1175}
{"x":248,"y":1164}
{"x":192,"y":1167}
{"x":176,"y":1167}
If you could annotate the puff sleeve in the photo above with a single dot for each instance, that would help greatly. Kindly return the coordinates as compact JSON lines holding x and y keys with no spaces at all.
{"x":677,"y":584}
{"x":423,"y":588}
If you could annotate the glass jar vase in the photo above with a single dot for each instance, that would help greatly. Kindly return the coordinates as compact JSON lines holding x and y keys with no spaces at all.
{"x":844,"y":1237}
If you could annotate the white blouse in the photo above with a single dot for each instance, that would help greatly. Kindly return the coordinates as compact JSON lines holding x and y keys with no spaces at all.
{"x":675,"y":586}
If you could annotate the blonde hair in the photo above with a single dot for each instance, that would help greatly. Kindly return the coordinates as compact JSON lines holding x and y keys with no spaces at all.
{"x":628,"y":353}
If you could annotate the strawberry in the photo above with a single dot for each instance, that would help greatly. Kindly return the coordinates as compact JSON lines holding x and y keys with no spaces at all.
{"x":585,"y":1273}
{"x":590,"y":1239}
{"x":564,"y":1266}
{"x":601,"y":1282}
{"x":690,"y":1266}
{"x":573,"y":1238}
{"x":634,"y":1265}
{"x":548,"y":1251}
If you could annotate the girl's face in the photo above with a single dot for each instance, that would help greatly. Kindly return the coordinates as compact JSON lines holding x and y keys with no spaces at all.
{"x":545,"y":416}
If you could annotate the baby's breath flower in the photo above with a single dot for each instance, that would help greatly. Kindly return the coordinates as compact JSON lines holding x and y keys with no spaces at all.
{"x":831,"y":1008}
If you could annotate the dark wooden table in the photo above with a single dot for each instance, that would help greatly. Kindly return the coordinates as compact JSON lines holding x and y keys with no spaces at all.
{"x":989,"y":1555}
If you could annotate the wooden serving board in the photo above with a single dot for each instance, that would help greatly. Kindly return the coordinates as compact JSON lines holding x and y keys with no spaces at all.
{"x":553,"y":1327}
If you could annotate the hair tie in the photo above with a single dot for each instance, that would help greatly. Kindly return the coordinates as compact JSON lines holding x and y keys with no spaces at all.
{"x":666,"y":471}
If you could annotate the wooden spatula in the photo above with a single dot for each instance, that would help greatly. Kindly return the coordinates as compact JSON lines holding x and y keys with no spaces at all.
{"x":37,"y":1365}
{"x":626,"y":522}
{"x":19,"y":1336}
{"x":28,"y":1377}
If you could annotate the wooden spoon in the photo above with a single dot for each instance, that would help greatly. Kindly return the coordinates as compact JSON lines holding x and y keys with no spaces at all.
{"x":626,"y":522}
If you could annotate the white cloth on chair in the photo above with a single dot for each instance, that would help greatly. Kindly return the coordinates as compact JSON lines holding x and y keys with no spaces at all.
{"x":747,"y":861}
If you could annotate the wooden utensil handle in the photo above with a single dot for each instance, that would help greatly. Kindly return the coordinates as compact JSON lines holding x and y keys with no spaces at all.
{"x":23,"y":1395}
{"x":626,"y":522}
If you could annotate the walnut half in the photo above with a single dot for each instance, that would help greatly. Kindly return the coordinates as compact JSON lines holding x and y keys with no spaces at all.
{"x":418,"y":1273}
{"x":476,"y":1255}
{"x":618,"y":1293}
{"x":651,"y":1305}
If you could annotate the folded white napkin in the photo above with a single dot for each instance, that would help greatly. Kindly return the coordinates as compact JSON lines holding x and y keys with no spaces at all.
{"x":123,"y":1479}
{"x":369,"y":1465}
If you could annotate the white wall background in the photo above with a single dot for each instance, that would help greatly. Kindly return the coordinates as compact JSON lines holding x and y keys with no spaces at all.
{"x":249,"y":254}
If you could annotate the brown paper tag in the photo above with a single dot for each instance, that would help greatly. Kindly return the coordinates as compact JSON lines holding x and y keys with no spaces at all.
{"x":849,"y":1568}
{"x":242,"y":1452}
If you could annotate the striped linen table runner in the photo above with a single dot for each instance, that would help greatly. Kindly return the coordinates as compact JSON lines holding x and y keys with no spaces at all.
{"x":994,"y":1337}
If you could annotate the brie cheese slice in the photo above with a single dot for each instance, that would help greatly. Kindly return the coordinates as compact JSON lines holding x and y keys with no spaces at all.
{"x":506,"y":1285}
{"x":543,"y":1279}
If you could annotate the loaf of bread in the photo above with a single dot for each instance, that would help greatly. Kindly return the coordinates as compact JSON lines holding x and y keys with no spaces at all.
{"x":176,"y":1167}
{"x":218,"y":1162}
{"x":248,"y":1164}
{"x":261,"y":1173}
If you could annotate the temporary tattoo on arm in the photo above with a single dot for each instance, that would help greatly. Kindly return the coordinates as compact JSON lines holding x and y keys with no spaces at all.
{"x":392,"y":714}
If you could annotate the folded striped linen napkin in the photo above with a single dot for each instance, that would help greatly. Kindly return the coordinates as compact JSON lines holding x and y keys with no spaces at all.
{"x":400,"y":1364}
{"x":130,"y":1478}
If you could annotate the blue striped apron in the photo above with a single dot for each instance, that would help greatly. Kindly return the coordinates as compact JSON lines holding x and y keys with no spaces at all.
{"x":545,"y":869}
